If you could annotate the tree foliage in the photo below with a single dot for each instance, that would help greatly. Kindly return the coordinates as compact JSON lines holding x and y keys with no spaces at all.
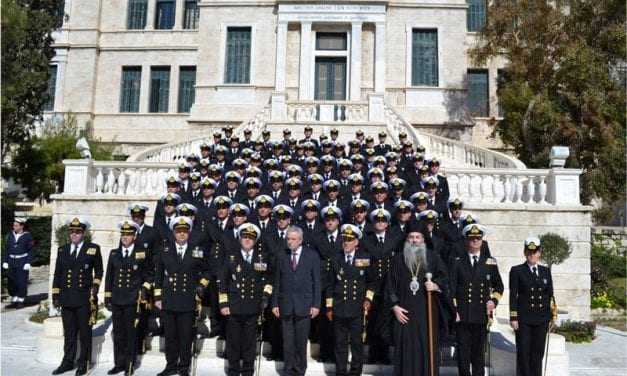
{"x":26,"y":52}
{"x":564,"y":84}
{"x":555,"y":249}
{"x":38,"y":165}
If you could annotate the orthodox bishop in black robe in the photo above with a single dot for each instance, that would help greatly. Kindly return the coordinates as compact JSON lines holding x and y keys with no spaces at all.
{"x":406,"y":296}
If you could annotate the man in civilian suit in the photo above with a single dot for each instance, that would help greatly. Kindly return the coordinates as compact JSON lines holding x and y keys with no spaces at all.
{"x":296,"y":300}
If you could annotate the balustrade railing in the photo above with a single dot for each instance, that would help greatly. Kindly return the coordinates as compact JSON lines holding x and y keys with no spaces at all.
{"x":177,"y":151}
{"x":460,"y":153}
{"x":312,"y":111}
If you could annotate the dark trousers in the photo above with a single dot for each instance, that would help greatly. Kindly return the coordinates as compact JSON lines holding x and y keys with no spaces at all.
{"x":348,"y":329}
{"x":241,"y":335}
{"x":178,"y":329}
{"x":141,"y":330}
{"x":379,"y":350}
{"x":471,"y":339}
{"x":123,"y":334}
{"x":218,"y":322}
{"x":17,"y":281}
{"x":325,"y":336}
{"x":76,"y":323}
{"x":295,"y":333}
{"x":275,"y":334}
{"x":530,"y":341}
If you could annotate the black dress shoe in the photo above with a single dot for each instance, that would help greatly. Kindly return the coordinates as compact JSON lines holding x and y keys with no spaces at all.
{"x":19,"y":305}
{"x":63,"y":368}
{"x":81,"y":370}
{"x":184,"y":372}
{"x":115,"y":370}
{"x":168,"y":372}
{"x":12,"y":305}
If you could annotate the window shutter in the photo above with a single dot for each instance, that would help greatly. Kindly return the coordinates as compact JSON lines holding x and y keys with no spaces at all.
{"x":476,"y":15}
{"x":137,"y":11}
{"x":478,"y":97}
{"x":425,"y":58}
{"x":131,"y":83}
{"x":238,"y":55}
{"x":52,"y":87}
{"x":159,"y":89}
{"x":187,"y":81}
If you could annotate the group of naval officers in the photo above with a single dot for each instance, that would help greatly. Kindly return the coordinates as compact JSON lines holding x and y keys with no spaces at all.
{"x":290,"y":241}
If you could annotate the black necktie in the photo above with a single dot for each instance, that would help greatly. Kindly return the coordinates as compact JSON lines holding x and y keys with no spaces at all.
{"x":474,"y":261}
{"x":168,"y":221}
{"x":263,"y":225}
{"x":349,"y":259}
{"x":535,"y":271}
{"x":331,"y":239}
{"x":381,"y":241}
{"x":311,"y":227}
{"x":282,"y":235}
{"x":125,"y":252}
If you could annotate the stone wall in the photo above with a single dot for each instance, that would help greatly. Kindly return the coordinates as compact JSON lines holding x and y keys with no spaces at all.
{"x":612,"y":238}
{"x":507,"y":229}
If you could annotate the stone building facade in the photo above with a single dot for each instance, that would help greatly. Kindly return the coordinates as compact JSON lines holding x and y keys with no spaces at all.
{"x":147,"y":72}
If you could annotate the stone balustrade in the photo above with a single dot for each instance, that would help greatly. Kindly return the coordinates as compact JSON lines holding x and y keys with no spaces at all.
{"x":176,"y":151}
{"x":325,"y":111}
{"x":555,"y":186}
{"x":455,"y":152}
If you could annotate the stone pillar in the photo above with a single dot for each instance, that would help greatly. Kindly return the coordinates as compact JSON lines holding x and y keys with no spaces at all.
{"x":178,"y":15}
{"x":304,"y":92}
{"x":150,"y":14}
{"x":279,"y":106}
{"x":77,"y":176}
{"x":144,"y":93}
{"x":281,"y":52}
{"x":379,"y":58}
{"x":355,"y":67}
{"x":173,"y":106}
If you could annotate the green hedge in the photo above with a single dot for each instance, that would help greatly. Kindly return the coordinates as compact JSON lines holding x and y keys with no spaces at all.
{"x":608,"y":276}
{"x":577,"y":332}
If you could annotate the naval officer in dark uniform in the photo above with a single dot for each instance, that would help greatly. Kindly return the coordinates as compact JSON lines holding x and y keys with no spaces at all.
{"x":476,"y":288}
{"x":181,"y":276}
{"x":77,"y":277}
{"x":128,"y":282}
{"x":532,"y":308}
{"x":16,"y":260}
{"x":245,"y":290}
{"x":349,"y":294}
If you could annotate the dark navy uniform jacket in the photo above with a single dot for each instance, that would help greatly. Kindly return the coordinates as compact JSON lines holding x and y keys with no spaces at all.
{"x":20,"y":252}
{"x":176,"y":280}
{"x":74,"y":276}
{"x":348,"y":285}
{"x":126,"y":275}
{"x":530,"y":296}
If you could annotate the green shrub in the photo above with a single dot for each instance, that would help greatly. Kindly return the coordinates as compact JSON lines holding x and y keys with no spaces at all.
{"x":602,"y":300}
{"x":555,"y":249}
{"x":576,"y":331}
{"x":606,"y":266}
{"x":616,"y":291}
{"x":40,"y":228}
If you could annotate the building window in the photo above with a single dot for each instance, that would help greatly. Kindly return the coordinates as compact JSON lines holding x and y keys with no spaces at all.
{"x":331,"y":41}
{"x":478,"y":94}
{"x":131,"y":84}
{"x":424,"y":69}
{"x":159,"y":89}
{"x":192,"y":12}
{"x":475,"y":17}
{"x":165,"y":14}
{"x":52,"y":87}
{"x":137,"y":10}
{"x":238,"y":55}
{"x":187,"y":81}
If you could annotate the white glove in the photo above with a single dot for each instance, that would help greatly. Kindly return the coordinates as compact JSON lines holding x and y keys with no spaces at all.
{"x":26,"y":266}
{"x":5,"y":265}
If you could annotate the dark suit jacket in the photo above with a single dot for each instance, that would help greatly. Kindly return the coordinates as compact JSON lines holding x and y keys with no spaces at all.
{"x":296,"y":292}
{"x":74,"y":277}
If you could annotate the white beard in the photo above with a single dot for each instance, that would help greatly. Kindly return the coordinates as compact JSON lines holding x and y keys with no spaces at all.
{"x":415,"y":255}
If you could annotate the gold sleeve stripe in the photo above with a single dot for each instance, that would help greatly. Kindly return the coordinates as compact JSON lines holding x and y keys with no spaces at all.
{"x":157,"y":292}
{"x":56,"y":290}
{"x":204,"y":282}
{"x":329,"y":302}
{"x":497,"y":295}
{"x":455,"y":302}
{"x":97,"y":281}
{"x":513,"y":314}
{"x":268,"y":289}
{"x":107,"y":294}
{"x":370,"y":295}
{"x":223,"y":298}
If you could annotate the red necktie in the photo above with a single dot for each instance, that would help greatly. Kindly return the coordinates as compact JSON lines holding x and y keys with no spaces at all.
{"x":294,"y":261}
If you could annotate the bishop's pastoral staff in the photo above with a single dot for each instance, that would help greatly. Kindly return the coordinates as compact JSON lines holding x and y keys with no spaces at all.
{"x":416,"y":282}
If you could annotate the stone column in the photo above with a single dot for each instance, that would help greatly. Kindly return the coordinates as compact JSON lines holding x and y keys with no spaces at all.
{"x":173,"y":105}
{"x":304,"y":92}
{"x":379,"y":58}
{"x":150,"y":14}
{"x":178,"y":15}
{"x":144,"y":93}
{"x":355,"y":67}
{"x":279,"y":107}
